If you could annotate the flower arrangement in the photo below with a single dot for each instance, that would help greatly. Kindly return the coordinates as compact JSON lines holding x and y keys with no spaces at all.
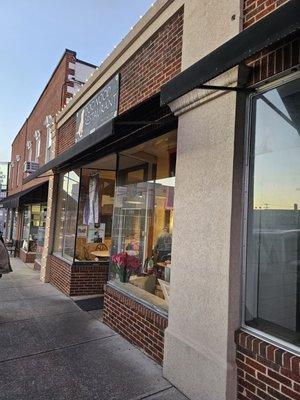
{"x":125,"y":265}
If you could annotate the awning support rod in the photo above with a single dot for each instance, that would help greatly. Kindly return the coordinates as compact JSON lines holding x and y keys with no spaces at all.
{"x":227,"y":88}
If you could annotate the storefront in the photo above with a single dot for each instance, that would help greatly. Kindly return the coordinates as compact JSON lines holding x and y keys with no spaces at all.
{"x":200,"y":273}
{"x":26,"y":219}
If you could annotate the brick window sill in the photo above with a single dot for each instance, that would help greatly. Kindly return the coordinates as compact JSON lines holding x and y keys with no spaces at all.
{"x":136,"y":294}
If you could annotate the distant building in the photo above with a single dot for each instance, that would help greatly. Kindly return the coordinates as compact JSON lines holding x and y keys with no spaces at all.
{"x":33,"y":146}
{"x":4,"y":166}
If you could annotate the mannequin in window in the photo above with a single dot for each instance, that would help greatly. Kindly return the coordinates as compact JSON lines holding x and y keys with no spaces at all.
{"x":163,"y":245}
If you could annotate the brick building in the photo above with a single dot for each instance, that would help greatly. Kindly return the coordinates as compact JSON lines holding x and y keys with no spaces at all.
{"x":33,"y":146}
{"x":209,"y":95}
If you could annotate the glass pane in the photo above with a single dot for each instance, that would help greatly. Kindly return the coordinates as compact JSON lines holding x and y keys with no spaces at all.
{"x":66,"y":214}
{"x":95,"y":215}
{"x":273,"y":257}
{"x":143,"y":220}
{"x":71,"y":214}
{"x":60,"y":214}
{"x":41,"y":232}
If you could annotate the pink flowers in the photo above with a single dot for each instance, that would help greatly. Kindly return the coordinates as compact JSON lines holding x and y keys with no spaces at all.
{"x":123,"y":260}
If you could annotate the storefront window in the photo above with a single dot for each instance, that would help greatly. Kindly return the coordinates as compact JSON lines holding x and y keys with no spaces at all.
{"x":34,"y":218}
{"x":14,"y":224}
{"x":66,"y":215}
{"x":95,"y":212}
{"x":143,"y":220}
{"x":273,"y":239}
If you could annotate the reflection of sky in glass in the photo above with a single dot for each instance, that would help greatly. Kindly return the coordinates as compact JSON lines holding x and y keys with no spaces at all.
{"x":277,"y":156}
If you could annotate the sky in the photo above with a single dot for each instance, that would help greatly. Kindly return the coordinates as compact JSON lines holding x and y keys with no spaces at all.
{"x":33,"y":37}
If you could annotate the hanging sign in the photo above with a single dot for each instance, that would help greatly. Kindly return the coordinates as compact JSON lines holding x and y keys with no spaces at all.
{"x":102,"y":107}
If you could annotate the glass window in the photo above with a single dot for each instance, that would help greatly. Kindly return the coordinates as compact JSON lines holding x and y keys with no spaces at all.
{"x":273,"y":238}
{"x":34,"y":217}
{"x":143,"y":220}
{"x":95,"y":212}
{"x":66,"y":215}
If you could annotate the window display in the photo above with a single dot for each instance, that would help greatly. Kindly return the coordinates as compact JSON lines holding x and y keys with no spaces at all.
{"x":143,"y":220}
{"x":95,"y":212}
{"x":34,"y":219}
{"x":273,"y":238}
{"x":66,"y":216}
{"x":119,"y":209}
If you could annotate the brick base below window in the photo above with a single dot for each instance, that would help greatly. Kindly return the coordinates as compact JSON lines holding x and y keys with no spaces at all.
{"x":78,"y":280}
{"x":37,"y":266}
{"x":26,"y":257}
{"x":265,"y":371}
{"x":137,"y":323}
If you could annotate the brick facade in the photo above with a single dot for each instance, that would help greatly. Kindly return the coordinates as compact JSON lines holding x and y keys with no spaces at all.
{"x":265,"y":371}
{"x":26,"y":257}
{"x":154,"y":64}
{"x":275,"y":59}
{"x":137,"y":323}
{"x":254,"y":10}
{"x":50,"y":102}
{"x":78,"y":280}
{"x":142,"y":76}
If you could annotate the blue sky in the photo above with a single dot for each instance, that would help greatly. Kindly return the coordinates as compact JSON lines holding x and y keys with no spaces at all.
{"x":33,"y":36}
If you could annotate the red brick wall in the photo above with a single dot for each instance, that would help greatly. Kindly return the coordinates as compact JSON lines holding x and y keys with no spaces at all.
{"x":138,"y":324}
{"x":275,"y":59}
{"x":26,"y":257}
{"x":50,"y":102}
{"x":60,"y":274}
{"x":77,"y":280}
{"x":66,"y":135}
{"x":254,"y":10}
{"x":265,"y":371}
{"x":155,"y":63}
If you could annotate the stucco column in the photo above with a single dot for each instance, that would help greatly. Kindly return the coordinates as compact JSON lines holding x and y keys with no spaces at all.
{"x":50,"y":220}
{"x":199,"y":342}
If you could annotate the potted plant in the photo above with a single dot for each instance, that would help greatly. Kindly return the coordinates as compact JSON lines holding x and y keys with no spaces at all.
{"x":124,"y":265}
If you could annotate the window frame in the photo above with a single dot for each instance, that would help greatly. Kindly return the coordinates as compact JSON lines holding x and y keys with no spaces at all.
{"x":37,"y":137}
{"x":247,"y":190}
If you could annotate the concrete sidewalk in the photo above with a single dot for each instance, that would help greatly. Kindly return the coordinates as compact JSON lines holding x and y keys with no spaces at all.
{"x":52,"y":350}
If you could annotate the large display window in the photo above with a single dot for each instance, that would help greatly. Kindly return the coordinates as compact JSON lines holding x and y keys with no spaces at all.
{"x":66,"y":215}
{"x":84,"y":212}
{"x":120,"y":210}
{"x":95,"y":213}
{"x":272,"y":303}
{"x":34,"y":221}
{"x":143,"y":220}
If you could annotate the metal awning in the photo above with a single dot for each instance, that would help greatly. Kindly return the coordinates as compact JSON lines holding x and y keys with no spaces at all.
{"x":33,"y":195}
{"x":146,"y":120}
{"x":278,"y":25}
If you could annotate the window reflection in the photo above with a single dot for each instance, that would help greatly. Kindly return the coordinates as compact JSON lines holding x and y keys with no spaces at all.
{"x":273,"y":257}
{"x":143,"y":220}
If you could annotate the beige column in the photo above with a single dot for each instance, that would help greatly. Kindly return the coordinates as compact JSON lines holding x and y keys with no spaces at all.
{"x":50,"y":219}
{"x":199,"y":343}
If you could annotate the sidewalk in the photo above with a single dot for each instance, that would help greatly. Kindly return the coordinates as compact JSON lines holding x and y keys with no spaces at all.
{"x":52,"y":350}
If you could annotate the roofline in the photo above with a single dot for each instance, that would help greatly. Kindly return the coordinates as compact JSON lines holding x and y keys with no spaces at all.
{"x":86,"y":63}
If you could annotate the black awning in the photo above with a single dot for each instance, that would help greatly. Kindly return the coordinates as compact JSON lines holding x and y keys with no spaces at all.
{"x":279,"y":24}
{"x":144,"y":121}
{"x":33,"y":195}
